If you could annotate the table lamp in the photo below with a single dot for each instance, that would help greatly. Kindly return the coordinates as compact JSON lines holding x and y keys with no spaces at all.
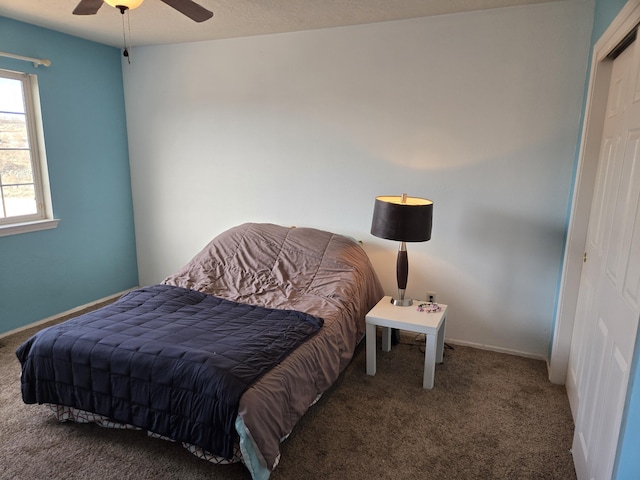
{"x":404,"y":219}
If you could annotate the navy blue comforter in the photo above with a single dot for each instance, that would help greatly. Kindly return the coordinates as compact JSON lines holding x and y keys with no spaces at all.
{"x":166,"y":359}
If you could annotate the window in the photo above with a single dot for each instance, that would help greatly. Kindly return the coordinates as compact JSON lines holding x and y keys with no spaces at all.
{"x":25,"y":201}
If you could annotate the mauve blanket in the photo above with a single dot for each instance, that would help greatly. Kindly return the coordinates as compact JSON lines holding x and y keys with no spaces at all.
{"x":166,"y":359}
{"x":303,"y":269}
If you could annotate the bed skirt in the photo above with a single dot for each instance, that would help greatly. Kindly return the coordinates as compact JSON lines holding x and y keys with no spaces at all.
{"x":244,"y":451}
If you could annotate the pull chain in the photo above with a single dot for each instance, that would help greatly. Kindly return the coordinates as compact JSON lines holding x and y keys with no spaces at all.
{"x":125,"y":52}
{"x":130,"y":57}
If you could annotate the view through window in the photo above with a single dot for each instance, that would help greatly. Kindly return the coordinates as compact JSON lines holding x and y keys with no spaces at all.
{"x":21,"y":195}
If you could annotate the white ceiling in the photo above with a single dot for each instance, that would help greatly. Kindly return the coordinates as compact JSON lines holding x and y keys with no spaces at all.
{"x":156,"y":23}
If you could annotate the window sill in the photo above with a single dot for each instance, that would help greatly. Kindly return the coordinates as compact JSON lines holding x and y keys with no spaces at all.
{"x":27,"y":227}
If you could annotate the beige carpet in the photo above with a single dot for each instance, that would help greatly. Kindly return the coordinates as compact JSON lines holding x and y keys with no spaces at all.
{"x":489,"y":416}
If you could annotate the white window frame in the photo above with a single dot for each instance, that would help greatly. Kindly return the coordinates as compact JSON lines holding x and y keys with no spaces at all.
{"x":43,"y":219}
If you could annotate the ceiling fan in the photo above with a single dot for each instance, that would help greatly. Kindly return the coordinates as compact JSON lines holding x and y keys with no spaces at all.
{"x":191,"y":9}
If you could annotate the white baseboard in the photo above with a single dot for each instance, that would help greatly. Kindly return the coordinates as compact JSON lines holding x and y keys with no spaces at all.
{"x":68,"y":312}
{"x":495,"y":349}
{"x":410,"y":338}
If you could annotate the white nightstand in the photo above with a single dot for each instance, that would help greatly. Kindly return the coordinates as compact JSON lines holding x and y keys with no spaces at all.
{"x":389,"y":316}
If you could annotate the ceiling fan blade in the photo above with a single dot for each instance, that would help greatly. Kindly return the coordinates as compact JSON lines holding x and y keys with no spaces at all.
{"x":191,"y":9}
{"x":87,"y":7}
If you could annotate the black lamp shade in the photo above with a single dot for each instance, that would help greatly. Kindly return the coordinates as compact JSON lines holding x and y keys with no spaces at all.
{"x":404,"y":222}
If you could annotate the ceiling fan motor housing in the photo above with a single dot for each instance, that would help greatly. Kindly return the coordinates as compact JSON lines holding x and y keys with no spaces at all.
{"x":123,"y":5}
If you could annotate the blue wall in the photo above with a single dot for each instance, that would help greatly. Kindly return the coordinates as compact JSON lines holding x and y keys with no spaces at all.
{"x":92,"y":253}
{"x":628,"y":460}
{"x":605,"y":12}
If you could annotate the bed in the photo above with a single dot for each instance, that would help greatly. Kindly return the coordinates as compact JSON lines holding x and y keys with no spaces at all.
{"x":225,"y":355}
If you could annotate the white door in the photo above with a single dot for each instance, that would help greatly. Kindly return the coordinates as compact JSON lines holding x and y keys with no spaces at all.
{"x":608,"y":308}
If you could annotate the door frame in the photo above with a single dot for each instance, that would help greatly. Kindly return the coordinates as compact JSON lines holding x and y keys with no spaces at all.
{"x":599,"y":76}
